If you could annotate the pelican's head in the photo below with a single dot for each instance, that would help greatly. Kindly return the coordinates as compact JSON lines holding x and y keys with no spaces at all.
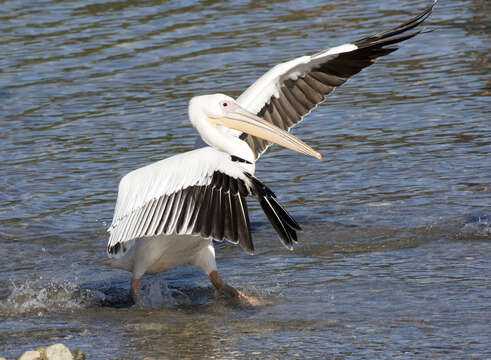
{"x":219,"y":110}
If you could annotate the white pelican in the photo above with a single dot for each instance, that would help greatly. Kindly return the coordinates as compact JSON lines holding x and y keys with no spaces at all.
{"x":168,"y":213}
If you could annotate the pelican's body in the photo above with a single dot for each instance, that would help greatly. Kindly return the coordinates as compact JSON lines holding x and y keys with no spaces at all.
{"x":168,"y":213}
{"x":153,"y":254}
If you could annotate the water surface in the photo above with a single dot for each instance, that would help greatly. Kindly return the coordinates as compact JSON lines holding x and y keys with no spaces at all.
{"x":394,"y":259}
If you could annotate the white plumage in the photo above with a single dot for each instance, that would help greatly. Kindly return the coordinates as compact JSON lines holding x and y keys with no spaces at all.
{"x":165,"y":177}
{"x":168,"y":213}
{"x":268,"y":85}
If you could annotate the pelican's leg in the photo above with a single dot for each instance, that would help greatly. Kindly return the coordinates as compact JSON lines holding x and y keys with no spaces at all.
{"x":222,"y":287}
{"x":232,"y":292}
{"x":145,"y":252}
{"x":205,"y":259}
{"x":135,"y":289}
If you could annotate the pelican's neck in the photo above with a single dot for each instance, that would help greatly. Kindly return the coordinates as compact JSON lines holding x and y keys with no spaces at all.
{"x":224,"y":139}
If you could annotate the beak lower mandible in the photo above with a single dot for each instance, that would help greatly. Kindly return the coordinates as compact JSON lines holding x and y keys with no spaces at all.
{"x":247,"y":122}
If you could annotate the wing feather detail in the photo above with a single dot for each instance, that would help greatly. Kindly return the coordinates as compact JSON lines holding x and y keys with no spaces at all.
{"x":203,"y":210}
{"x":190,"y":193}
{"x":213,"y":207}
{"x":291,"y":90}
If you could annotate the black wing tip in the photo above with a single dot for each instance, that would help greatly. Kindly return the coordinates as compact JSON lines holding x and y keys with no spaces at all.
{"x":247,"y":249}
{"x":285,"y":226}
{"x":387,"y":37}
{"x":245,"y":239}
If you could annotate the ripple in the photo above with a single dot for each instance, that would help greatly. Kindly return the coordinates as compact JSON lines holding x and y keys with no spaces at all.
{"x":91,"y":90}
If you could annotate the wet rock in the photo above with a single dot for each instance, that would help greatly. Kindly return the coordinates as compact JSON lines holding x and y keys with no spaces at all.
{"x":53,"y":352}
{"x":58,"y":352}
{"x":30,"y":355}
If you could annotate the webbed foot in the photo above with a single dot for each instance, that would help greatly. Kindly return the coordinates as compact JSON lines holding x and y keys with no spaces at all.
{"x":236,"y":296}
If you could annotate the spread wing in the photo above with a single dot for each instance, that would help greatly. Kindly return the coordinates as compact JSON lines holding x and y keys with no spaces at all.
{"x":289,"y":91}
{"x":201,"y":192}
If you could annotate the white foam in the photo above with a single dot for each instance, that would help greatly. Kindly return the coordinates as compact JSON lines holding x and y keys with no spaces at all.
{"x":40,"y":298}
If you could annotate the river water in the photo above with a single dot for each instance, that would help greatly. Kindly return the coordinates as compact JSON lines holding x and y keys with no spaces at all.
{"x":394,"y":259}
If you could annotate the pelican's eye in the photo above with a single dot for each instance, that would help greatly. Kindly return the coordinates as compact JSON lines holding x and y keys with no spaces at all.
{"x":226,"y":105}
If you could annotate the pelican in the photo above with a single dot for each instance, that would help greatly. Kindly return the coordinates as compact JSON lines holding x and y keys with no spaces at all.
{"x":168,"y":213}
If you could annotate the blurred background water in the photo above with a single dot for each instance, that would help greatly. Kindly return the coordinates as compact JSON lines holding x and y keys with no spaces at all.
{"x":394,"y":260}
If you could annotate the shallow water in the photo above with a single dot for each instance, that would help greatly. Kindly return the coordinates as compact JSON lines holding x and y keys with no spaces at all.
{"x":394,"y":259}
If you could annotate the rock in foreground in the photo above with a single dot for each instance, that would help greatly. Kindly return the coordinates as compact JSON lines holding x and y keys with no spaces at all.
{"x":58,"y":352}
{"x":53,"y":352}
{"x":30,"y":355}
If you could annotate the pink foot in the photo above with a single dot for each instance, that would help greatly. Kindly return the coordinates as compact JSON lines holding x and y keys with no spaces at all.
{"x":233,"y":294}
{"x":248,"y":300}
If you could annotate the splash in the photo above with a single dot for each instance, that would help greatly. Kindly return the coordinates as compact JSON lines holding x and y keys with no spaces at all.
{"x":477,"y":225}
{"x":34,"y":297}
{"x":38,"y":297}
{"x":158,"y":295}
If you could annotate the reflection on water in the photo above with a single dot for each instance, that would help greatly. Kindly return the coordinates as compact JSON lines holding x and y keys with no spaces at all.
{"x":394,"y":257}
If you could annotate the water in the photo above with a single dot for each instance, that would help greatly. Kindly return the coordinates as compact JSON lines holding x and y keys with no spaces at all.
{"x":394,"y":260}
